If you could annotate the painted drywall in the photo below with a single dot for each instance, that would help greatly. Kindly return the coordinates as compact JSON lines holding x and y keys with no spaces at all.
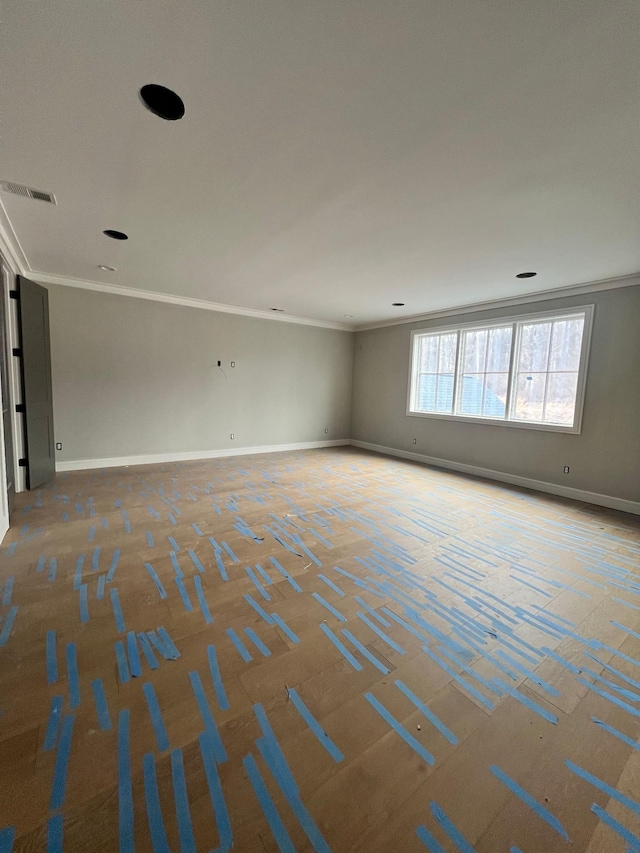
{"x":133,"y":377}
{"x":604,"y":458}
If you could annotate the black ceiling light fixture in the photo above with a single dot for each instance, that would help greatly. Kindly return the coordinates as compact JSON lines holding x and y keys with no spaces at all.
{"x":162,"y":102}
{"x":115,"y":235}
{"x":277,"y":309}
{"x":397,"y":304}
{"x":526,"y":274}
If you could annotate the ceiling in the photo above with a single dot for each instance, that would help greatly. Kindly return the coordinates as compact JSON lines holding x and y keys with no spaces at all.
{"x":335,"y":156}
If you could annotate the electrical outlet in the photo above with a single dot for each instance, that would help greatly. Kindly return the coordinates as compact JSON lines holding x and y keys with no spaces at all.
{"x":414,"y":440}
{"x":566,"y":469}
{"x":58,"y":445}
{"x":233,"y":364}
{"x":232,"y":435}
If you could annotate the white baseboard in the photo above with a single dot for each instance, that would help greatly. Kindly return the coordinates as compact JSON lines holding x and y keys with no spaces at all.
{"x":4,"y":527}
{"x":154,"y":458}
{"x":513,"y":479}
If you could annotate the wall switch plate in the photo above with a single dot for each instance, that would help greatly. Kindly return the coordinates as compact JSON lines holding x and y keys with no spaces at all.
{"x":219,"y":364}
{"x":232,"y":435}
{"x":566,"y":469}
{"x":326,"y":430}
{"x":233,"y":364}
{"x":58,"y":445}
{"x":414,"y":440}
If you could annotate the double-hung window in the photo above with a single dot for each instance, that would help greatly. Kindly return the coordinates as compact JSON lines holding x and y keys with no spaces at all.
{"x":524,"y":371}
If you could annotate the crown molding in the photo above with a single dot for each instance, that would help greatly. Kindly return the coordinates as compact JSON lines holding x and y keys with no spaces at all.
{"x":508,"y":302}
{"x":189,"y":302}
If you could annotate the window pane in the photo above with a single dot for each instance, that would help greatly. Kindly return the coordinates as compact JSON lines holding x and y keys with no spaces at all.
{"x":561,"y":398}
{"x":499,"y":350}
{"x":529,"y":396}
{"x":495,"y":395}
{"x":534,"y":345}
{"x":429,"y":354}
{"x":447,"y":360}
{"x":444,"y":396}
{"x":475,"y":345}
{"x":471,"y":394}
{"x":566,"y":344}
{"x":427,"y":392}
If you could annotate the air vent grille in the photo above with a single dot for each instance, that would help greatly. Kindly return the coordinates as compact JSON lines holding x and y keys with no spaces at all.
{"x":27,"y":192}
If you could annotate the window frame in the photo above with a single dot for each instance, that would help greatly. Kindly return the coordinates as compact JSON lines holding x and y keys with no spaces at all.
{"x":586,"y":311}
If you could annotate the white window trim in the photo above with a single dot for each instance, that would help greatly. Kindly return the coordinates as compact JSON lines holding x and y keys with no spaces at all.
{"x":576,"y":429}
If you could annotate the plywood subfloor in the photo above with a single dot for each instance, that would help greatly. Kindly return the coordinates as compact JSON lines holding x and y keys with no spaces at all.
{"x":373,"y":656}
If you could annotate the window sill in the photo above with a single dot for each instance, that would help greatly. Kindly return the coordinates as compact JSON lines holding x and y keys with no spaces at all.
{"x":464,"y":419}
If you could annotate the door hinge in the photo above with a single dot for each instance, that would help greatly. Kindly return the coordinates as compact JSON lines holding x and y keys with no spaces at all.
{"x":14,"y":294}
{"x":20,"y":407}
{"x":17,"y":352}
{"x":22,"y":463}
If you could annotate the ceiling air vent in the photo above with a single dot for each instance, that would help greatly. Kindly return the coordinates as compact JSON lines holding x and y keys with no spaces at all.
{"x":27,"y":192}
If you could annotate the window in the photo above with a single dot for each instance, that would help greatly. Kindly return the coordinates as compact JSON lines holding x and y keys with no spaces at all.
{"x":524,"y":371}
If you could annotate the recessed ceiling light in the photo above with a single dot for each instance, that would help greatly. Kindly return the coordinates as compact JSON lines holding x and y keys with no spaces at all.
{"x":116,"y":235}
{"x":397,"y":304}
{"x":349,"y":316}
{"x":526,"y":274}
{"x":277,"y":309}
{"x":107,"y":269}
{"x":162,"y":102}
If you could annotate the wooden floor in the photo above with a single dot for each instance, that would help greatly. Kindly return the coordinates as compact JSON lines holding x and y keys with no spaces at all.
{"x":325,"y":650}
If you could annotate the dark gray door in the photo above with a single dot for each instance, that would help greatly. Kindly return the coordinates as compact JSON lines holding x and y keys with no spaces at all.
{"x":4,"y":381}
{"x":35,"y":366}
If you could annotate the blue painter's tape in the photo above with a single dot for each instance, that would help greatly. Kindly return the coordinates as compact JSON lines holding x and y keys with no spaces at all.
{"x":95,"y":559}
{"x":462,"y":681}
{"x":150,"y":541}
{"x":263,"y":592}
{"x":154,"y":577}
{"x":267,"y":618}
{"x":92,"y":533}
{"x":53,"y":569}
{"x":176,"y":564}
{"x":147,"y":651}
{"x":355,"y":663}
{"x":365,"y":652}
{"x":385,"y":637}
{"x":52,"y":661}
{"x":134,"y":656}
{"x":117,"y":611}
{"x":118,"y":503}
{"x":280,"y":834}
{"x":559,"y":659}
{"x":223,"y":823}
{"x":102,"y":708}
{"x":209,"y":722}
{"x":53,"y":724}
{"x":125,"y":791}
{"x":428,"y":713}
{"x":72,"y":676}
{"x":62,"y":762}
{"x":196,"y":562}
{"x":156,"y":717}
{"x":202,"y":601}
{"x":286,"y":575}
{"x":172,"y":519}
{"x":77,"y":577}
{"x":216,"y":677}
{"x":84,"y":603}
{"x":429,"y":841}
{"x":617,"y":827}
{"x":7,"y":834}
{"x":183,"y":814}
{"x":184,"y":595}
{"x":221,"y":568}
{"x":542,"y":812}
{"x":615,"y":671}
{"x":329,"y":607}
{"x":372,"y":612}
{"x":257,"y":642}
{"x":330,"y":583}
{"x":123,"y":666}
{"x":237,"y":642}
{"x":602,"y":786}
{"x":230,"y":552}
{"x":320,"y":538}
{"x":154,"y":810}
{"x":451,"y":829}
{"x":197,"y":529}
{"x":114,"y":565}
{"x":632,"y":742}
{"x":8,"y":589}
{"x":614,"y":699}
{"x":54,"y":834}
{"x":100,"y":589}
{"x":285,"y":628}
{"x":400,"y":729}
{"x":298,"y":540}
{"x":168,"y":642}
{"x":173,"y":543}
{"x":524,"y":700}
{"x":264,"y":574}
{"x":315,"y":727}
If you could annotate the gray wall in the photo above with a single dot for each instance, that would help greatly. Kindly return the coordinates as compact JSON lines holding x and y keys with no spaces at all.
{"x":604,"y":458}
{"x":133,"y":377}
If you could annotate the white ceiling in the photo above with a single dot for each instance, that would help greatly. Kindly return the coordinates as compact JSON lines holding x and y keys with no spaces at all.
{"x":336,"y":155}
